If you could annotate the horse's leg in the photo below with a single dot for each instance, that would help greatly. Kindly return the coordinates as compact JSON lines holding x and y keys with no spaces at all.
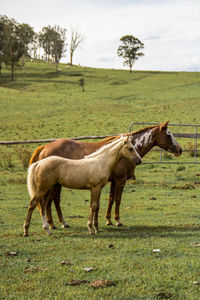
{"x":43,"y":215}
{"x":119,"y":186}
{"x":56,"y":199}
{"x":33,"y":203}
{"x":94,"y":200}
{"x":48,"y":209}
{"x":110,"y":203}
{"x":95,"y":221}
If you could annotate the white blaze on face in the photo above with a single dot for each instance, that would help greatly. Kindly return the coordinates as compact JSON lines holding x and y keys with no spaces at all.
{"x":144,"y":139}
{"x":174,"y":142}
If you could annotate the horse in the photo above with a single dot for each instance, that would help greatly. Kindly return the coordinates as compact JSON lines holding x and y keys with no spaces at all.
{"x":144,"y":140}
{"x":91,"y":172}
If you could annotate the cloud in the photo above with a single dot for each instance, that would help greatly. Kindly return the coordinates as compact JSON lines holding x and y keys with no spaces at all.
{"x":106,"y":59}
{"x":169,"y":29}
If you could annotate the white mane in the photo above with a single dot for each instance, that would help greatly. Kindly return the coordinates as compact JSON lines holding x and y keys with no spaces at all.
{"x":107,"y":147}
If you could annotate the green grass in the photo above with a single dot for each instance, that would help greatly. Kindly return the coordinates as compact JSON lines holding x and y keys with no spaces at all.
{"x":160,"y":210}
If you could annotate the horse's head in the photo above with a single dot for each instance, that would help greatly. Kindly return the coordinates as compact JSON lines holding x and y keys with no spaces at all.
{"x":166,"y":140}
{"x":129,"y":151}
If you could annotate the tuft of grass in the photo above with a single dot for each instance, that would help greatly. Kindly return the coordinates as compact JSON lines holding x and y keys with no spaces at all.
{"x":181,"y":168}
{"x":6,"y":160}
{"x":24,"y":155}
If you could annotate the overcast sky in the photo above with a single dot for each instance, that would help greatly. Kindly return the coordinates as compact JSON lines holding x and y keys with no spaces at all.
{"x":169,"y":29}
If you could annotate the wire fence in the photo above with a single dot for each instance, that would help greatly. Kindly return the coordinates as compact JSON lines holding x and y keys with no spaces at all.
{"x":162,"y":160}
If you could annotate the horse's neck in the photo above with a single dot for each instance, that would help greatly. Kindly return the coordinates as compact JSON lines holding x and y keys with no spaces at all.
{"x":144,"y":141}
{"x":110,"y":156}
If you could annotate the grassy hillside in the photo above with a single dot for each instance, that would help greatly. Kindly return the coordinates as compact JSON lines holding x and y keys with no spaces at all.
{"x":160,"y":210}
{"x":41,"y":103}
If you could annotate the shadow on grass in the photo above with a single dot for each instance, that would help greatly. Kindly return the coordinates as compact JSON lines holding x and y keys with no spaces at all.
{"x":16,"y":85}
{"x":128,"y":232}
{"x":156,"y":72}
{"x":23,"y":80}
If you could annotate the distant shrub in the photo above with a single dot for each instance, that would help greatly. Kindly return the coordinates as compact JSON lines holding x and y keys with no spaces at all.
{"x":167,"y":156}
{"x":181,"y":168}
{"x":82,"y":84}
{"x":191,"y":147}
{"x":23,"y":155}
{"x":118,"y":82}
{"x":6,"y":160}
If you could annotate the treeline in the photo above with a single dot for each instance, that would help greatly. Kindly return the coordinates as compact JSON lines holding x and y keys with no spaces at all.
{"x":18,"y":41}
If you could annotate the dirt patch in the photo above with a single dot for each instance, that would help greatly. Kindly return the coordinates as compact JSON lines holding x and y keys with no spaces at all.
{"x":35,"y":270}
{"x":101,"y":283}
{"x":74,"y":282}
{"x":186,"y":186}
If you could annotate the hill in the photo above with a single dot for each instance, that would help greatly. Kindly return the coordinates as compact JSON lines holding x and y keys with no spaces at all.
{"x":41,"y":103}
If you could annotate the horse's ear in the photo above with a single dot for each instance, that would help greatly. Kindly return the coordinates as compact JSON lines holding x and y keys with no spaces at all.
{"x":164,"y":126}
{"x":126,"y":140}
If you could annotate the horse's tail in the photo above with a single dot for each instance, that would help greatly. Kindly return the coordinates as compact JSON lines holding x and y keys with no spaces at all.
{"x":36,"y":154}
{"x":31,"y":180}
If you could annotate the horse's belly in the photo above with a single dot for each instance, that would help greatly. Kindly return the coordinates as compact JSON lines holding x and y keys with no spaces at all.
{"x":75,"y":182}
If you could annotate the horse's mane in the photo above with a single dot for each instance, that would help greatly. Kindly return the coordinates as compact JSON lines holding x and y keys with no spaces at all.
{"x":143,"y":129}
{"x":110,"y":144}
{"x":110,"y":139}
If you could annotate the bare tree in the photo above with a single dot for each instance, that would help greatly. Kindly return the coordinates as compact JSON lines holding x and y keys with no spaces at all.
{"x":76,"y":40}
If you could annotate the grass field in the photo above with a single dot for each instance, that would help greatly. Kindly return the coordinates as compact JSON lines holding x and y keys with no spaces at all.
{"x":160,"y":210}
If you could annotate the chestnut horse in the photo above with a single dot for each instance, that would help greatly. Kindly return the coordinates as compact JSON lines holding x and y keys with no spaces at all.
{"x":144,"y":140}
{"x":91,"y":172}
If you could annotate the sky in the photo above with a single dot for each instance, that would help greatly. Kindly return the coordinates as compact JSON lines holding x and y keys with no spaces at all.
{"x":169,"y":29}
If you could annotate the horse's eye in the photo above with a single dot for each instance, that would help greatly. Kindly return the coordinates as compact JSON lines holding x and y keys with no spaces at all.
{"x":168,"y":136}
{"x":130,"y":149}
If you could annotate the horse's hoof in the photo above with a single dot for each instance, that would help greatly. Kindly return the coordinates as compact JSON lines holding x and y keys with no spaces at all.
{"x":26,"y":234}
{"x":65,"y":226}
{"x":47,"y":230}
{"x":109,"y":223}
{"x":119,"y":224}
{"x":91,"y":233}
{"x":53,"y":227}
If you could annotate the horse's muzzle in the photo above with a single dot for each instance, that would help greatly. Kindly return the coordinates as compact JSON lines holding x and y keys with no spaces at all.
{"x":138,"y":161}
{"x":178,"y":152}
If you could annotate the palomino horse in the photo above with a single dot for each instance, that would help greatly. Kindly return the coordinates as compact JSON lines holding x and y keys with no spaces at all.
{"x":144,"y":140}
{"x":91,"y":172}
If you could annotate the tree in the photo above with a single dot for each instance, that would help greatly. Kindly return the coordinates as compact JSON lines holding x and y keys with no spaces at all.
{"x":45,"y":41}
{"x":34,"y":47}
{"x":129,"y":50}
{"x":52,"y":40}
{"x":2,"y":39}
{"x":12,"y":47}
{"x":58,"y":44}
{"x":27,"y":35}
{"x":5,"y":25}
{"x":76,"y":39}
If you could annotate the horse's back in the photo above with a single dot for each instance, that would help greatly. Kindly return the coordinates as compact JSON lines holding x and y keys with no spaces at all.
{"x":66,"y":148}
